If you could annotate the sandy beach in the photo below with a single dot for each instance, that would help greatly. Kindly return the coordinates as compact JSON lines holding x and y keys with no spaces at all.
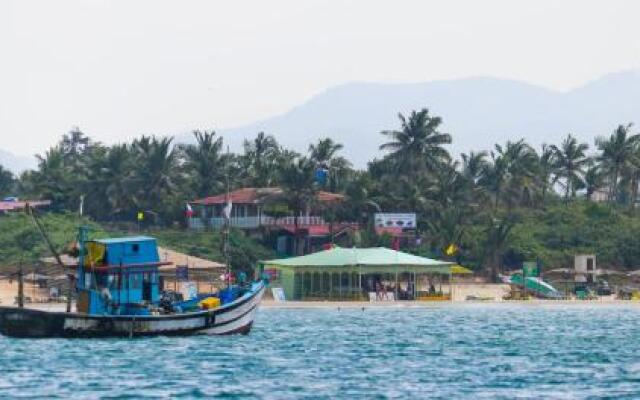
{"x":492,"y":292}
{"x":431,"y":304}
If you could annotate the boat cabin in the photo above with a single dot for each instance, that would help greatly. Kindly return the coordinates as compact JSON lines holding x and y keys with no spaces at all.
{"x":118,"y":276}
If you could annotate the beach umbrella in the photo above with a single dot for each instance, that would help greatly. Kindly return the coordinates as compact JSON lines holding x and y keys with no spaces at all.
{"x":460,"y":270}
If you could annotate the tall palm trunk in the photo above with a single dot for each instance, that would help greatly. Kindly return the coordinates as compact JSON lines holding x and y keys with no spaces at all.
{"x":634,"y":189}
{"x":613,"y":188}
{"x":567,"y":189}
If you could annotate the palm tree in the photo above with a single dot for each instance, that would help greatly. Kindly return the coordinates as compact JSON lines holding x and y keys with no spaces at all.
{"x":445,"y":226}
{"x":493,"y":177}
{"x":297,"y":180}
{"x":447,"y":187}
{"x":324,"y":155}
{"x":570,"y":163}
{"x":449,"y":204}
{"x":361,"y":202}
{"x":473,"y":165}
{"x":547,"y":173}
{"x":109,"y":181}
{"x":324,"y":151}
{"x":522,"y":164}
{"x":54,"y":180}
{"x":617,"y":152}
{"x":404,"y":193}
{"x":511,"y":173}
{"x":593,"y":179}
{"x":203,"y":161}
{"x":74,"y":143}
{"x":418,"y":145}
{"x":497,"y":234}
{"x":156,"y":171}
{"x":260,"y":160}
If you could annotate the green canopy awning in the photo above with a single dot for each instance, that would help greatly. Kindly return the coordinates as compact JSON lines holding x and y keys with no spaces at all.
{"x":376,"y":256}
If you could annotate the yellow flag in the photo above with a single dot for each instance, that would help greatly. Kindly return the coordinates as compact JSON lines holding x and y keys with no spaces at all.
{"x":451,"y":249}
{"x":140,"y":215}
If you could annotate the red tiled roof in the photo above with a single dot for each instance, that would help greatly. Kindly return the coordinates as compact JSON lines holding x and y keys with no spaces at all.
{"x":17,"y":205}
{"x":240,"y":196}
{"x":256,"y":195}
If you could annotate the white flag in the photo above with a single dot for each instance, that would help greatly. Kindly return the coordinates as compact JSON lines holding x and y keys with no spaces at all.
{"x":227,"y":209}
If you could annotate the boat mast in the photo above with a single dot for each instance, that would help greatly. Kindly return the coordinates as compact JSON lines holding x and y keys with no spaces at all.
{"x":227,"y":222}
{"x":82,"y":238}
{"x":20,"y":286}
{"x":32,"y":212}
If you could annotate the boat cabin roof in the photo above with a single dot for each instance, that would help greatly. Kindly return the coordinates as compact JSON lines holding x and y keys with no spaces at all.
{"x":128,"y":239}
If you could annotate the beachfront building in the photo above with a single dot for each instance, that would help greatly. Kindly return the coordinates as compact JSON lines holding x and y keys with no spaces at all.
{"x":358,"y":274}
{"x":264,"y":211}
{"x":253,"y":208}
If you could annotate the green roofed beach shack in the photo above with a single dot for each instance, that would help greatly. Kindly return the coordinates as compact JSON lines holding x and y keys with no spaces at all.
{"x":375,"y":274}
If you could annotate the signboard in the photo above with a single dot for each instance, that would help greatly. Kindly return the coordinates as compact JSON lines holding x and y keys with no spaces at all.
{"x":182,"y":273}
{"x":278,"y":294}
{"x":395,"y":220}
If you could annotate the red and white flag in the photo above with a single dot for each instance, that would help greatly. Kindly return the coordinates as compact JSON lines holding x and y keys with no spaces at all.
{"x":189,"y":211}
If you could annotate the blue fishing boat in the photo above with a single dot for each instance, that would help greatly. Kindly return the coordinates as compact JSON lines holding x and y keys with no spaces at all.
{"x":117,"y":286}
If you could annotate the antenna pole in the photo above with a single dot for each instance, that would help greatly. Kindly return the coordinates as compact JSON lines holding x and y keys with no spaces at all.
{"x":227,"y":222}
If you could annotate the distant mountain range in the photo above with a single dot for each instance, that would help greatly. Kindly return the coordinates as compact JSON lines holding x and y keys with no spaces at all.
{"x":478,"y":112}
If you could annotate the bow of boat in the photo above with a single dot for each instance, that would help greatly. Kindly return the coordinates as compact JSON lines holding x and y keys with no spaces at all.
{"x":232,"y":318}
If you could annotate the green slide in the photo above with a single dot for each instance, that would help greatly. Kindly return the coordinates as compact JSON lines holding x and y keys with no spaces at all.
{"x":536,"y":286}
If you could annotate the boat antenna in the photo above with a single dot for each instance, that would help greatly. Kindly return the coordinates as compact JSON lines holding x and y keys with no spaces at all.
{"x":227,"y":221}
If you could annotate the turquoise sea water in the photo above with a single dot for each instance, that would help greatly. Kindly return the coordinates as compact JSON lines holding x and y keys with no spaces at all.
{"x":465,"y":351}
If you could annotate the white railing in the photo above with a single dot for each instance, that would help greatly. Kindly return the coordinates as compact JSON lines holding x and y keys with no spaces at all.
{"x":254,"y":222}
{"x":302,"y":221}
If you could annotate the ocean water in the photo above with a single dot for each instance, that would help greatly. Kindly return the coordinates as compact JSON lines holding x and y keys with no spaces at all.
{"x":451,"y":351}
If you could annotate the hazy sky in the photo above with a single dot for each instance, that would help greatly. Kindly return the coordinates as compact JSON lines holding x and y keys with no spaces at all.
{"x":122,"y":68}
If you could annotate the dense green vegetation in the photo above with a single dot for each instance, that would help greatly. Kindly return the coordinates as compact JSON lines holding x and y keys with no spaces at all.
{"x":21,"y":242}
{"x":500,"y":207}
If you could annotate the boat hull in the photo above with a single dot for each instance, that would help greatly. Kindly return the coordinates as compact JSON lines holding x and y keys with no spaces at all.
{"x":233,"y":318}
